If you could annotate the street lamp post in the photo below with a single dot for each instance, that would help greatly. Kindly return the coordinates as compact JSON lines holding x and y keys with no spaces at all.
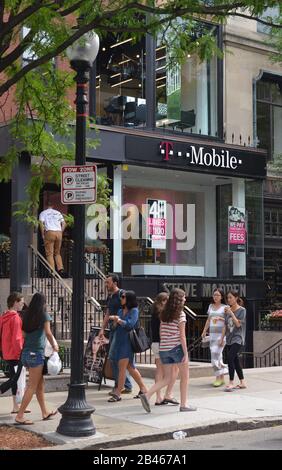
{"x":76,"y":413}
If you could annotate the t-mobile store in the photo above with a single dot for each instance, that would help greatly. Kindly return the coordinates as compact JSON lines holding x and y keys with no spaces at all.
{"x":191,"y":217}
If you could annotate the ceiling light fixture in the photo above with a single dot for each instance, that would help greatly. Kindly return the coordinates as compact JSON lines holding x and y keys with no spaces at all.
{"x":124,"y":61}
{"x":115,"y":75}
{"x":121,"y":83}
{"x":161,"y":78}
{"x":160,"y":58}
{"x":161,"y":47}
{"x":161,"y":86}
{"x":121,"y":42}
{"x":162,"y":67}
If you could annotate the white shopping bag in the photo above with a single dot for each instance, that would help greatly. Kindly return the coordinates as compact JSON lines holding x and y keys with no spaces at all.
{"x":48,"y":348}
{"x":21,"y":384}
{"x":54,"y":364}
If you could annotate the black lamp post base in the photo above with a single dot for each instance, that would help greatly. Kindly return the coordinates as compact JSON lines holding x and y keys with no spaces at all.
{"x":76,"y":414}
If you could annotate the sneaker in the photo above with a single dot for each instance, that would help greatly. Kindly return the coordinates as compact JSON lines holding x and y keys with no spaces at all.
{"x":188,"y":408}
{"x":218,"y":383}
{"x":145,"y":403}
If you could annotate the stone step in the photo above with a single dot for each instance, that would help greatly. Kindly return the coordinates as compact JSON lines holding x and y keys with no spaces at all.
{"x":59,"y":383}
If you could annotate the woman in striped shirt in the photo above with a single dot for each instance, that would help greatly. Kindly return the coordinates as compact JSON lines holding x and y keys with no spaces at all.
{"x":173,"y":350}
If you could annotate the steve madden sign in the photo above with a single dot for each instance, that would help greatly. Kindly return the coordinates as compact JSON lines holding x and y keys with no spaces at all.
{"x":197,"y":157}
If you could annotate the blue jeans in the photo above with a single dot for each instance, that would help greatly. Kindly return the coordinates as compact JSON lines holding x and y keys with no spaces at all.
{"x":127,"y":383}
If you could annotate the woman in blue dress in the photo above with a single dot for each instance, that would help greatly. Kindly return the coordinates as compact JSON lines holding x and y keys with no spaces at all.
{"x":121,"y":349}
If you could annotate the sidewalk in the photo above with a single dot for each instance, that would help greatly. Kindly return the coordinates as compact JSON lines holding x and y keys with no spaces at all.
{"x":117,"y":424}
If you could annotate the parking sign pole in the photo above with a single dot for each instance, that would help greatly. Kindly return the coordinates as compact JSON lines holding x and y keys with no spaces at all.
{"x":76,"y":412}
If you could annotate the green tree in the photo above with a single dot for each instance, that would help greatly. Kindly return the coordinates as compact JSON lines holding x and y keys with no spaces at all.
{"x":40,"y":90}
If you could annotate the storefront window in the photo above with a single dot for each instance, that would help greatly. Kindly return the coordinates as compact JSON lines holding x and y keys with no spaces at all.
{"x":120,"y":83}
{"x":269,"y":115}
{"x":251,"y":263}
{"x":186,"y":93}
{"x":187,"y":202}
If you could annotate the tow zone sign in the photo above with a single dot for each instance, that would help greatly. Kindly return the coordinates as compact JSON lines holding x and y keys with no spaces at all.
{"x":78,"y":184}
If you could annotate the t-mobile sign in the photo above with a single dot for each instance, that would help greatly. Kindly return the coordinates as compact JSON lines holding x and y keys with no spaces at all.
{"x":156,"y":224}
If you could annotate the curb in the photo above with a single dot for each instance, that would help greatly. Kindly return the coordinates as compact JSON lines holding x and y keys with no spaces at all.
{"x":228,"y":426}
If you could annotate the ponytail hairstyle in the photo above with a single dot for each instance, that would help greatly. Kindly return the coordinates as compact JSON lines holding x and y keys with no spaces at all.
{"x":174,"y":306}
{"x":237,"y":297}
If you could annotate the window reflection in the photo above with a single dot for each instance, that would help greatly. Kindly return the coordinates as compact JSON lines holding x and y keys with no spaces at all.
{"x":120,"y":83}
{"x":186,"y":92}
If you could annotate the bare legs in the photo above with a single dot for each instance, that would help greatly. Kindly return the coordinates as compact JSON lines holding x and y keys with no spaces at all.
{"x":35,"y":386}
{"x":124,"y":365}
{"x":160,"y":375}
{"x":169,"y":376}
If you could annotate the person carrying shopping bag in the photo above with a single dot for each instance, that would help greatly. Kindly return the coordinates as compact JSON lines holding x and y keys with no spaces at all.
{"x":36,"y":328}
{"x":11,"y":345}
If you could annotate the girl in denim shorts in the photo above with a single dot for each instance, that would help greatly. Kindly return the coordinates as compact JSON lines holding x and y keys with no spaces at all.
{"x":173,"y":349}
{"x":36,"y":327}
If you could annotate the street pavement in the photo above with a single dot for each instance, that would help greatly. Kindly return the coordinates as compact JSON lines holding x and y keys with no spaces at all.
{"x":124,"y":423}
{"x":258,"y":439}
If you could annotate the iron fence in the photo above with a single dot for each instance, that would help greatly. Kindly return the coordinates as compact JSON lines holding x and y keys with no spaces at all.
{"x":4,"y":264}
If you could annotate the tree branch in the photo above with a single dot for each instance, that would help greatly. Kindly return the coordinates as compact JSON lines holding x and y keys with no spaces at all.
{"x":15,"y":20}
{"x":17,"y":52}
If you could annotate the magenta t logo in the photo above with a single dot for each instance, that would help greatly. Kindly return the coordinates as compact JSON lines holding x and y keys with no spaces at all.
{"x":166,"y":150}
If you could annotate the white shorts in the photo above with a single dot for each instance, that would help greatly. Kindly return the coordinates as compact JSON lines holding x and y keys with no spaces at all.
{"x":156,"y":350}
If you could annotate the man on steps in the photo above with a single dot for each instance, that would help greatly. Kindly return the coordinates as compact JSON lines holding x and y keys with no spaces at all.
{"x":52,"y":226}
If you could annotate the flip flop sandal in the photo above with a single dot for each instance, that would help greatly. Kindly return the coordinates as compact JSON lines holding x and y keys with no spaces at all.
{"x":239,"y":387}
{"x":114,"y":399}
{"x":26,"y":422}
{"x":138,"y":395}
{"x":161,"y":403}
{"x":170,"y":401}
{"x":16,"y":412}
{"x":50,"y":415}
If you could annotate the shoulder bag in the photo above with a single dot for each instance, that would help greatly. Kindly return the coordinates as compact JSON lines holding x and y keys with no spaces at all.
{"x":139,"y":340}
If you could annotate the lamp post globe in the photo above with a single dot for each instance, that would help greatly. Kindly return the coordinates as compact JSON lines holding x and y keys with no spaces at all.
{"x":76,"y":413}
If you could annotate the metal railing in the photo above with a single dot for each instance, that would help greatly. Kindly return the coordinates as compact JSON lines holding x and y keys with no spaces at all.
{"x":59,"y":298}
{"x":4,"y":264}
{"x":95,"y":285}
{"x":271,"y":357}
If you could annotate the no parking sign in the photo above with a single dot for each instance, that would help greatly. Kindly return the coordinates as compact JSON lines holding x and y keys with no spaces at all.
{"x":78,"y":184}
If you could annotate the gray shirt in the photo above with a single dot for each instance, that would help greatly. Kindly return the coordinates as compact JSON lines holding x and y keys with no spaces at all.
{"x":234,"y":334}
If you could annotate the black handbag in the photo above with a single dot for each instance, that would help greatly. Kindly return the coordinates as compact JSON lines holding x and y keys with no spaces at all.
{"x":139,"y":340}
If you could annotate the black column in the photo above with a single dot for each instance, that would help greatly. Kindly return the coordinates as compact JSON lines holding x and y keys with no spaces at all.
{"x":150,"y":80}
{"x":20,"y":231}
{"x":110,"y":244}
{"x":92,"y":92}
{"x":76,"y":412}
{"x":220,"y":85}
